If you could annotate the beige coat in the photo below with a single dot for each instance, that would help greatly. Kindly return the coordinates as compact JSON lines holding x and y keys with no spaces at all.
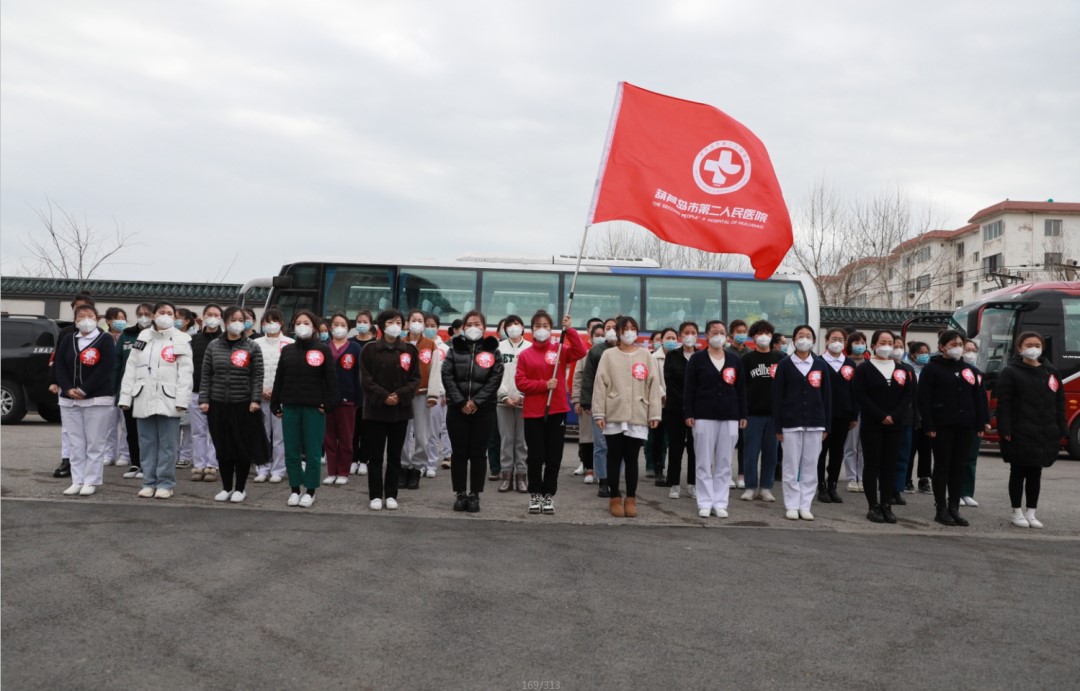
{"x":621,"y":396}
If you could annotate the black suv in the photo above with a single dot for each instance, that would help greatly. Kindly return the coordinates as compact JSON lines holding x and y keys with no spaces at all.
{"x":27,"y":343}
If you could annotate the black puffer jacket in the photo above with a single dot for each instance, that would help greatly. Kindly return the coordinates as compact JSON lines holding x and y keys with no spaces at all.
{"x":306,"y":376}
{"x":473,"y":371}
{"x":232,"y":371}
{"x":1031,"y":410}
{"x":387,"y":368}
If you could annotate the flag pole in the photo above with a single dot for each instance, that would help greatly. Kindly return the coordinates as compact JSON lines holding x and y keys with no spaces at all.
{"x":569,"y":311}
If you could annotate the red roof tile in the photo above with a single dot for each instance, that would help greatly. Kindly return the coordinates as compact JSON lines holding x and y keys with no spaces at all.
{"x":1026,"y":207}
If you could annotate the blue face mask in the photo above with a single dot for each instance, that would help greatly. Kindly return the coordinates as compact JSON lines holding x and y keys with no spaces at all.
{"x":741,"y":338}
{"x":119,"y":324}
{"x":248,"y":324}
{"x":922,"y":359}
{"x":858,"y":349}
{"x":363,"y":328}
{"x":324,"y":336}
{"x":430,"y":332}
{"x":178,"y":324}
{"x":672,"y":345}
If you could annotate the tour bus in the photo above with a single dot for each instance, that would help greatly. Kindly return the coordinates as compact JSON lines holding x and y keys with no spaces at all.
{"x":1050,"y":308}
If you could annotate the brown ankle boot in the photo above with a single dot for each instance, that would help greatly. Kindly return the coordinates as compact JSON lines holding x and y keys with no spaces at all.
{"x":630,"y":507}
{"x":522,"y":482}
{"x":616,"y":507}
{"x":505,"y":478}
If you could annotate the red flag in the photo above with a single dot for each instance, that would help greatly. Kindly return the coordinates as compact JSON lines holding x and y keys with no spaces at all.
{"x":693,"y":176}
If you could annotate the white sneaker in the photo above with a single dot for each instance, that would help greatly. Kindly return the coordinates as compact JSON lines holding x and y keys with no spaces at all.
{"x":324,"y":460}
{"x":969,"y":501}
{"x":580,"y":469}
{"x":1019,"y":520}
{"x":237,"y":497}
{"x":139,"y":475}
{"x":329,"y":480}
{"x":73,"y":490}
{"x":536,"y":502}
{"x":275,"y":479}
{"x":806,"y":515}
{"x":430,"y":473}
{"x":87,"y":490}
{"x":1032,"y":521}
{"x":674,"y":493}
{"x":748,"y":495}
{"x":375,"y":505}
{"x":122,"y":463}
{"x":720,"y":513}
{"x":766,"y":495}
{"x":361,"y":468}
{"x":691,"y":491}
{"x":222,"y":496}
{"x":352,"y":468}
{"x":294,"y":500}
{"x":861,"y":487}
{"x":306,"y":500}
{"x":146,"y":492}
{"x":130,"y":474}
{"x":342,"y":480}
{"x":162,"y":493}
{"x":741,"y":484}
{"x":589,"y":477}
{"x":259,"y":478}
{"x":391,"y":503}
{"x":792,"y":515}
{"x":732,"y":485}
{"x":852,"y":486}
{"x":108,"y":462}
{"x":703,"y":513}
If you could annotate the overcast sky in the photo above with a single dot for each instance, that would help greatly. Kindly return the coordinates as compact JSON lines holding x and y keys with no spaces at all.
{"x":265,"y":131}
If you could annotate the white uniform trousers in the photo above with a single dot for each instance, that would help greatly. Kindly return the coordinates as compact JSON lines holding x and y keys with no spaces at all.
{"x":437,"y":448}
{"x":274,"y":434}
{"x":116,"y":446}
{"x":853,"y":456}
{"x":414,"y":455}
{"x":65,"y":443}
{"x":203,"y":454}
{"x":714,"y":447}
{"x":801,"y":451}
{"x":87,"y":428}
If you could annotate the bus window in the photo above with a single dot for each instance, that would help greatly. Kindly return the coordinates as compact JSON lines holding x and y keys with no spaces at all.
{"x":304,"y":276}
{"x":997,"y":329}
{"x":292,"y":302}
{"x":781,"y":302}
{"x":349,"y":289}
{"x":519,"y":292}
{"x":604,"y":296}
{"x":449,"y":293}
{"x":1072,"y":324}
{"x":671,"y":301}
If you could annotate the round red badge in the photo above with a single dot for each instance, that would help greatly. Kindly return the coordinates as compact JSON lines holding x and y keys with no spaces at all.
{"x":1053,"y":383}
{"x":847,"y":372}
{"x":167,"y":354}
{"x":772,"y":371}
{"x":729,"y":375}
{"x":485,"y":359}
{"x":90,"y":357}
{"x":900,"y":376}
{"x":969,"y":376}
{"x":425,"y":356}
{"x":240,"y":358}
{"x":348,"y":361}
{"x":550,"y":357}
{"x":639,"y":371}
{"x":405,"y":360}
{"x":814,"y":377}
{"x":314,"y":358}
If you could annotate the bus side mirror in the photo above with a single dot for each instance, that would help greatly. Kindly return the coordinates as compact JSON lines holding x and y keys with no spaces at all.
{"x":283,"y":282}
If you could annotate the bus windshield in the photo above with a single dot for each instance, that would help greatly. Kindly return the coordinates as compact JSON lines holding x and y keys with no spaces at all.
{"x":997,"y":330}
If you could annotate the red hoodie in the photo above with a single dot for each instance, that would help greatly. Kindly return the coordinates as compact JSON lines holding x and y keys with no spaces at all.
{"x":535,"y":367}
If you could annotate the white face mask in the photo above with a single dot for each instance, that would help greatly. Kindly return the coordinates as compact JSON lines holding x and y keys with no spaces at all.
{"x":689,"y":341}
{"x":271,"y":328}
{"x":339,"y":332}
{"x":836,"y":347}
{"x":971,"y":357}
{"x":718,"y":341}
{"x":955,"y":353}
{"x":473,"y":333}
{"x":304,"y":331}
{"x":1032,"y":353}
{"x":363,"y":327}
{"x":897,"y":354}
{"x":145,"y":321}
{"x":884,"y":351}
{"x":235,"y":328}
{"x":416,"y":328}
{"x":610,"y":336}
{"x":763,"y":340}
{"x":628,"y":337}
{"x":515,"y":331}
{"x":87,"y":325}
{"x":392,"y":330}
{"x":539,"y":335}
{"x":597,"y":340}
{"x":212,"y":323}
{"x":164,"y":321}
{"x":803,"y":344}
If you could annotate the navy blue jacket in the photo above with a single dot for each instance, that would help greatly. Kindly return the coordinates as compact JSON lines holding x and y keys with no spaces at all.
{"x":879,"y":398}
{"x":842,"y":385}
{"x":800,"y":401}
{"x":710,"y":395}
{"x":348,"y":373}
{"x":90,"y":369}
{"x":951,"y":395}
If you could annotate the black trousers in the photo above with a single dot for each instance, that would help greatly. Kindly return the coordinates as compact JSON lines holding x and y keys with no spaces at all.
{"x":656,"y":451}
{"x":358,"y":455}
{"x":239,"y":441}
{"x":469,"y":437}
{"x":680,"y":437}
{"x":920,"y":446}
{"x":585,"y":452}
{"x":951,"y":447}
{"x":544,"y":440}
{"x":1021,"y":478}
{"x":380,"y":436}
{"x":131,"y":424}
{"x":739,"y":453}
{"x":623,"y":450}
{"x":833,"y":450}
{"x":879,"y":444}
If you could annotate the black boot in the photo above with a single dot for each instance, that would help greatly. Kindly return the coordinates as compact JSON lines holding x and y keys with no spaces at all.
{"x":898,"y":499}
{"x":604,"y":490}
{"x":414,"y":479}
{"x":472,"y":504}
{"x":834,"y":495}
{"x":887,"y":514}
{"x":943,"y":516}
{"x":403,"y":478}
{"x":661,"y":478}
{"x":924,"y":486}
{"x":823,"y":494}
{"x":954,"y":512}
{"x":64,"y":469}
{"x":460,"y":502}
{"x":875,"y":515}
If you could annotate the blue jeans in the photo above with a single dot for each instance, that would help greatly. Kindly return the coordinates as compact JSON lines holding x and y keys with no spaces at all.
{"x":759,"y":437}
{"x":159,"y":436}
{"x":903,"y":460}
{"x":599,"y":451}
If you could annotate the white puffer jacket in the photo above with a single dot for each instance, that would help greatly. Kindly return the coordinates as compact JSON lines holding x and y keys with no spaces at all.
{"x":157,"y":379}
{"x":510,"y":354}
{"x":271,"y":352}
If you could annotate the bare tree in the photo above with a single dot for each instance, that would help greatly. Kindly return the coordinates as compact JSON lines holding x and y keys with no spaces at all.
{"x":70,"y":248}
{"x":624,"y":240}
{"x":822,"y":244}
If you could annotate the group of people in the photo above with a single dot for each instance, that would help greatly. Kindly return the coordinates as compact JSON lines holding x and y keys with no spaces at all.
{"x":380,"y":395}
